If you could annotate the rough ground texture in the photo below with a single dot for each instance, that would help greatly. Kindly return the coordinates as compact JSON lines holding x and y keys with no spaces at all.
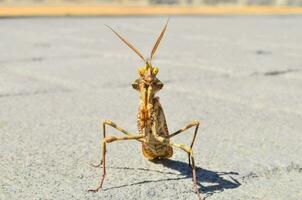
{"x":240,"y":76}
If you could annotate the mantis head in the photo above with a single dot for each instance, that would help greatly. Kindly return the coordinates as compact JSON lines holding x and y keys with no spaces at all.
{"x":147,"y":80}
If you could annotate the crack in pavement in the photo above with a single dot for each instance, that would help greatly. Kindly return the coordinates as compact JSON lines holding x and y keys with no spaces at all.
{"x":272,"y":172}
{"x":275,"y":72}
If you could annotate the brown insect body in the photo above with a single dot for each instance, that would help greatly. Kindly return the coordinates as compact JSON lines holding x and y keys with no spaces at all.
{"x":155,"y":126}
{"x":151,"y":121}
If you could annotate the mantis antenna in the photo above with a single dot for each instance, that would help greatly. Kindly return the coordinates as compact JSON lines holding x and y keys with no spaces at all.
{"x":127,"y":43}
{"x":158,"y":40}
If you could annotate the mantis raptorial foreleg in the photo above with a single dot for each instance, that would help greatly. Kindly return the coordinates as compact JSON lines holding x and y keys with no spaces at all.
{"x":109,"y":139}
{"x":113,"y":125}
{"x":190,"y":125}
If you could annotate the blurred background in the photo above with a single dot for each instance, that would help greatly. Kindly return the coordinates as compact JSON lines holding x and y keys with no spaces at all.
{"x":155,"y":2}
{"x":21,"y":8}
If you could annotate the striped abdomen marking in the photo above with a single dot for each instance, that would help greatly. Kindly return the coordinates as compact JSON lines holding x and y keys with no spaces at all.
{"x":157,"y":151}
{"x":153,"y":149}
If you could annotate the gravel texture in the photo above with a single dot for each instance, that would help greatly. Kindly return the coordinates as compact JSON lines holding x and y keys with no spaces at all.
{"x":240,"y":76}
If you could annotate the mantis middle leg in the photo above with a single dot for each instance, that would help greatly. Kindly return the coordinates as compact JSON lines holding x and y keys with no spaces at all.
{"x":191,"y":157}
{"x":109,"y":139}
{"x":190,"y":125}
{"x":113,"y":125}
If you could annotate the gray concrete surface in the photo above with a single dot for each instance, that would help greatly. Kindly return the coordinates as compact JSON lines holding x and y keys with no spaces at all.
{"x":240,"y":76}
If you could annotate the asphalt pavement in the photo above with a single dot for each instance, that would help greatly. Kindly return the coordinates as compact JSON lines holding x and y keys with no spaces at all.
{"x":240,"y":76}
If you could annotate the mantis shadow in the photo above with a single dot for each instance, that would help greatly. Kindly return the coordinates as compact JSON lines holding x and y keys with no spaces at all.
{"x":215,"y":182}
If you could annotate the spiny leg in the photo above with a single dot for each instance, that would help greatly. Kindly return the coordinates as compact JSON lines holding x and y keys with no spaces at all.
{"x":106,"y":140}
{"x":190,"y":125}
{"x":113,"y":125}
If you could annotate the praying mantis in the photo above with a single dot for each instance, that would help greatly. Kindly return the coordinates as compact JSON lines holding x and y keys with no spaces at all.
{"x":152,"y":126}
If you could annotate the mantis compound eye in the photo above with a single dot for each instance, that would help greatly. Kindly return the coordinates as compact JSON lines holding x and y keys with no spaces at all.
{"x":135,"y":84}
{"x":141,"y":71}
{"x":155,"y":71}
